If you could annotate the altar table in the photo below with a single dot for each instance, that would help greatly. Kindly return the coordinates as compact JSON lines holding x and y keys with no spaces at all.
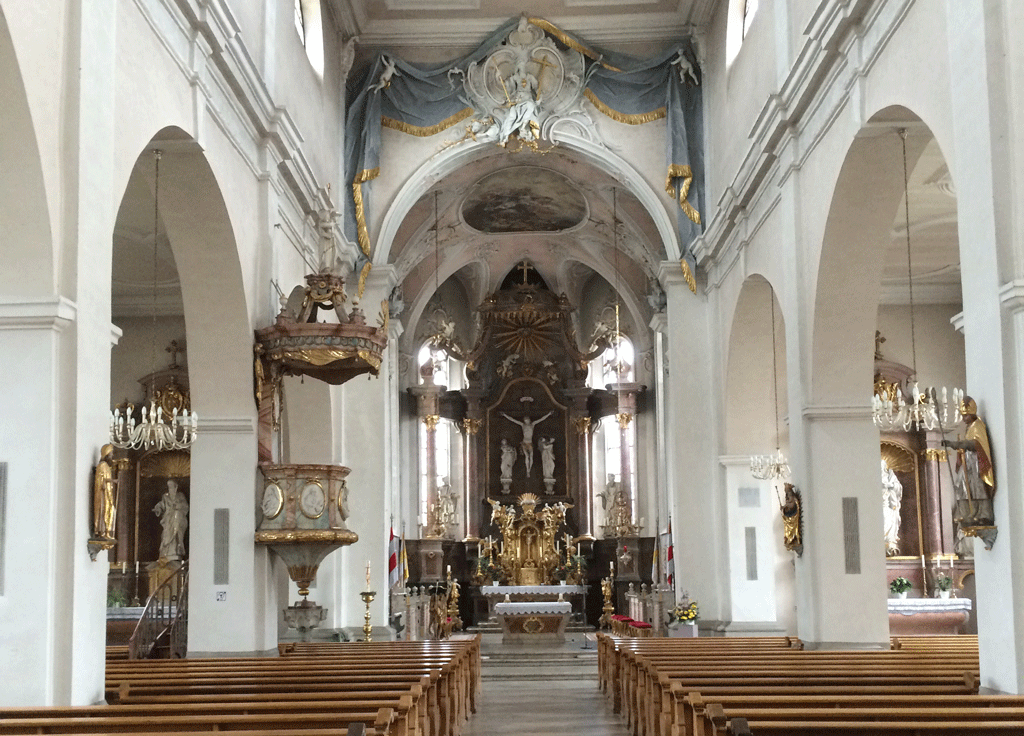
{"x":928,"y":616}
{"x":533,"y":621}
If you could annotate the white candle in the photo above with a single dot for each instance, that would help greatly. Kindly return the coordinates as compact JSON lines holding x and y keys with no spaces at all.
{"x":136,"y":568}
{"x":611,"y":568}
{"x":367,"y":574}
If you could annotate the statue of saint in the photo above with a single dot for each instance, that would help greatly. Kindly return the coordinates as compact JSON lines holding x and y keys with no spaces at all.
{"x":508,"y":459}
{"x":104,"y":496}
{"x":792,"y":537}
{"x":173,"y":512}
{"x":611,"y":489}
{"x":976,"y":482}
{"x":892,"y":496}
{"x":547,"y":457}
{"x":527,"y":444}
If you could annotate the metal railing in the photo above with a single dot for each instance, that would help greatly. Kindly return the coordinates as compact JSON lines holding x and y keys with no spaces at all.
{"x":164,"y":622}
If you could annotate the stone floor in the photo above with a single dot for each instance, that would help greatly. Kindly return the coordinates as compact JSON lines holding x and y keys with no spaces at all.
{"x":535,"y":690}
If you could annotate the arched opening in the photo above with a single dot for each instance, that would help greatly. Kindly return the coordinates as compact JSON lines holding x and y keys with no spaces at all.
{"x":195,"y":283}
{"x":756,"y":423}
{"x":863,"y":286}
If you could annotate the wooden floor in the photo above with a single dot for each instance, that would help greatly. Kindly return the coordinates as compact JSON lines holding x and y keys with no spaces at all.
{"x":539,"y":690}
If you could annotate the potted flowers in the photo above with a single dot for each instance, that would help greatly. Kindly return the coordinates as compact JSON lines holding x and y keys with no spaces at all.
{"x":899,"y":587}
{"x":943,"y":584}
{"x":682,"y":620}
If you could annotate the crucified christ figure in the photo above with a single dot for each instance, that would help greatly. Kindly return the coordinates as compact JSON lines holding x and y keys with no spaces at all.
{"x":527,"y":444}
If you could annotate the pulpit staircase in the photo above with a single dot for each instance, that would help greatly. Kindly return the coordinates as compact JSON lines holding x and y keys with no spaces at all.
{"x":162,"y":631}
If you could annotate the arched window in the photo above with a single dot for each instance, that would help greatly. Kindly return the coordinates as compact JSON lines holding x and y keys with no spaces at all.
{"x":749,"y":11}
{"x":309,"y":26}
{"x":300,"y":25}
{"x":615,"y":365}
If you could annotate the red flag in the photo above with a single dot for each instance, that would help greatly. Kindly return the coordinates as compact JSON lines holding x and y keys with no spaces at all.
{"x":393,"y":550}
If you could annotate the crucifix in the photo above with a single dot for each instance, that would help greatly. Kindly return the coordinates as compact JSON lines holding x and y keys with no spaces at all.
{"x":173,"y":349}
{"x":525,"y":267}
{"x":544,"y":64}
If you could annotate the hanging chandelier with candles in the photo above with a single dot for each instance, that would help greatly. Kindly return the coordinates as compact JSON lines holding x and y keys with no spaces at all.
{"x":918,"y":410}
{"x":158,"y":430}
{"x":773,"y":466}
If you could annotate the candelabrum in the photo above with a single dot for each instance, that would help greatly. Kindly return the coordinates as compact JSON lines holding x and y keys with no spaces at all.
{"x":769,"y":467}
{"x":608,"y":609}
{"x":367,"y":596}
{"x":921,"y":412}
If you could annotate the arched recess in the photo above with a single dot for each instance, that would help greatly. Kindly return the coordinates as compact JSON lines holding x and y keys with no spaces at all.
{"x":865,"y":203}
{"x":218,"y":330}
{"x":455,"y":157}
{"x":762,"y":584}
{"x":26,"y":239}
{"x":756,"y":372}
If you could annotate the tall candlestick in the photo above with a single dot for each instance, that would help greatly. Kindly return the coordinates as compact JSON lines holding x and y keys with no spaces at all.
{"x":367,"y":574}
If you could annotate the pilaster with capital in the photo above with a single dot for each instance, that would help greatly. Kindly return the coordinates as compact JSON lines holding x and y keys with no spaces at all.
{"x":472,"y":433}
{"x":580,"y":431}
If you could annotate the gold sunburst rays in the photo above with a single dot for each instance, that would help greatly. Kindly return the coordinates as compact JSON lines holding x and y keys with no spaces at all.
{"x":530,"y":333}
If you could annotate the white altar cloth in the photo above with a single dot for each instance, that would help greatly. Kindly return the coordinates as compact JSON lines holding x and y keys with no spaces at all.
{"x":533,"y":608}
{"x":910,"y":606}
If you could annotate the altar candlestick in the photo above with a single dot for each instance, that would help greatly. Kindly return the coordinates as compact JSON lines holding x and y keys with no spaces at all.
{"x":367,"y":574}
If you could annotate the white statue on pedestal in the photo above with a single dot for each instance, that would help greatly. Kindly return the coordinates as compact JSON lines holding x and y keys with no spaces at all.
{"x":508,"y":459}
{"x":892,"y":495}
{"x":547,"y":462}
{"x":173,"y":512}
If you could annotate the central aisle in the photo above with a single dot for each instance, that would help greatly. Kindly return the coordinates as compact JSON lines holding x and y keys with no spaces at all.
{"x":535,"y":690}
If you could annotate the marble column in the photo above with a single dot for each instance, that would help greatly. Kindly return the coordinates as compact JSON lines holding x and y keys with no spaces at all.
{"x":476,"y":489}
{"x":578,"y":479}
{"x":428,"y":398}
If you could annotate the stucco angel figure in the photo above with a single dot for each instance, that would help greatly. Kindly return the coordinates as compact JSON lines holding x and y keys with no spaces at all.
{"x":892,"y":496}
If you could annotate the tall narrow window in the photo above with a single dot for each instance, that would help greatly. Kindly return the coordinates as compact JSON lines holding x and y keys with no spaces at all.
{"x":749,"y":11}
{"x":300,"y":25}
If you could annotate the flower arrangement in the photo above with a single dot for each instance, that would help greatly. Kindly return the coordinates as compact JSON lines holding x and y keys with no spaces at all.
{"x":944,"y":582}
{"x":900,"y":585}
{"x":684,"y":613}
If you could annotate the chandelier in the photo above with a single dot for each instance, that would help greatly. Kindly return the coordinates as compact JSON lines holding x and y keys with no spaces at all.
{"x":158,"y":431}
{"x":774,"y":466}
{"x":920,"y":409}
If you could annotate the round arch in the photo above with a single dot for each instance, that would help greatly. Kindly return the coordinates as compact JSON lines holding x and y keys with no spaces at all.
{"x":455,"y":157}
{"x":29,"y":248}
{"x":749,"y":414}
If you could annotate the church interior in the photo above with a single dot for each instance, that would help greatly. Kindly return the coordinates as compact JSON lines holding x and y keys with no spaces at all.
{"x":405,"y":320}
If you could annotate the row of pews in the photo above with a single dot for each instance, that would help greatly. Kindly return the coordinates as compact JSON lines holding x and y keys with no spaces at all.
{"x":771,"y":686}
{"x":422,"y":688}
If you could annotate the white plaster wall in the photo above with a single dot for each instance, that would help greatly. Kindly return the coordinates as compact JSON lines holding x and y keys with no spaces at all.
{"x":752,"y":600}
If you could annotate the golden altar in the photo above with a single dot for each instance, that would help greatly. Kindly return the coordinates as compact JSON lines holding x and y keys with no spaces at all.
{"x":528,"y":552}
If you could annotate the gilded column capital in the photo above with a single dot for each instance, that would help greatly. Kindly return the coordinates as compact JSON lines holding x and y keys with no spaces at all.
{"x":624,"y":419}
{"x":471,"y":426}
{"x":582,"y":424}
{"x":431,"y":420}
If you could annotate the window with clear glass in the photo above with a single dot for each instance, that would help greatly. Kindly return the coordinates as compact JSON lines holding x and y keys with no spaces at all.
{"x":300,"y":25}
{"x":749,"y":11}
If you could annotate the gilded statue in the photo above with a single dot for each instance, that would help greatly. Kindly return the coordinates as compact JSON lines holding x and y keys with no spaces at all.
{"x":974,"y":476}
{"x":792,"y":520}
{"x":104,"y":496}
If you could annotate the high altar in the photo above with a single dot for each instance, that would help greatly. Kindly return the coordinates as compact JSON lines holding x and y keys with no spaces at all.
{"x":528,"y":552}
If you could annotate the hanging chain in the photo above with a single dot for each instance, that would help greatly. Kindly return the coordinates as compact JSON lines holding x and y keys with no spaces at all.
{"x":775,"y":366}
{"x":910,"y":274}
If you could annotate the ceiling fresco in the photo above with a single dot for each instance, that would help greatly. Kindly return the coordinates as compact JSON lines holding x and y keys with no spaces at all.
{"x":524,"y":199}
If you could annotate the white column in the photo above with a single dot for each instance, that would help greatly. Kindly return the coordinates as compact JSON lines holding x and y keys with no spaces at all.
{"x":842,"y":568}
{"x":239,"y":616}
{"x":985,"y":92}
{"x":365,"y":449}
{"x":698,"y":522}
{"x":38,"y":517}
